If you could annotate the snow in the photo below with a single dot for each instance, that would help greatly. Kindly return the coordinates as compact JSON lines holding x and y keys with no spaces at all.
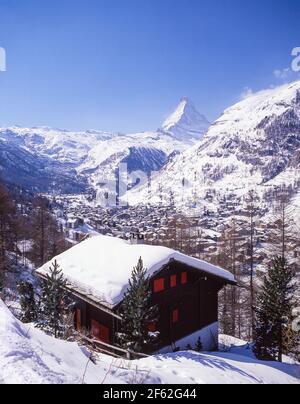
{"x":243,"y":117}
{"x":95,"y":155}
{"x":234,"y":155}
{"x":219,"y":368}
{"x":25,"y":246}
{"x":208,"y":335}
{"x":28,"y":356}
{"x":101,"y":266}
{"x":186,"y":122}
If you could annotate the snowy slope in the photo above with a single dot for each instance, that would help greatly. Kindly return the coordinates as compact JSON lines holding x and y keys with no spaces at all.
{"x":254,"y":145}
{"x":219,"y":368}
{"x":102,"y":265}
{"x":27,"y":356}
{"x":147,"y":152}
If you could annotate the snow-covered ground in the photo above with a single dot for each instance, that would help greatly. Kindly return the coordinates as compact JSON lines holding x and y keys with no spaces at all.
{"x":28,"y":356}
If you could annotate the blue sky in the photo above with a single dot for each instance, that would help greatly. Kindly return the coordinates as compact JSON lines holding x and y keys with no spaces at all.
{"x":123,"y":65}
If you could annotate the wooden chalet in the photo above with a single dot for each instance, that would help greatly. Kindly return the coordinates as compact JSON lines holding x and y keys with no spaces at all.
{"x":184,"y":288}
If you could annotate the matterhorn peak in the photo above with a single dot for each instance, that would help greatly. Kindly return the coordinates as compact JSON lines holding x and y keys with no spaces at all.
{"x":186,"y":123}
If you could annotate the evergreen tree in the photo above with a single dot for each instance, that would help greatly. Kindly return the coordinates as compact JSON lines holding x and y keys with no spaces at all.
{"x":274,"y":311}
{"x":137,"y":312}
{"x":6,"y":211}
{"x":54,"y":300}
{"x":28,"y":303}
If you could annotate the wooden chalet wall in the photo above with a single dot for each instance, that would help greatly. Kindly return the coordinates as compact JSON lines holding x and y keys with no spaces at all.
{"x":184,"y":308}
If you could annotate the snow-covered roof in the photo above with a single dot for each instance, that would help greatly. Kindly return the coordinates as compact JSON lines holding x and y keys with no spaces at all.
{"x":101,"y":266}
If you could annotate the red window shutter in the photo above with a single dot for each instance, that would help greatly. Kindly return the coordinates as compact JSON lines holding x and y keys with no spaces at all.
{"x":95,"y":329}
{"x":175,"y":316}
{"x":152,"y":327}
{"x":184,"y":278}
{"x":159,"y":285}
{"x":78,"y":319}
{"x":104,"y":334}
{"x":100,"y":332}
{"x":173,"y":281}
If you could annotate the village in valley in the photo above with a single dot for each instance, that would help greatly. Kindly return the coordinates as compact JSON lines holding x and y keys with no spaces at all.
{"x":173,"y":247}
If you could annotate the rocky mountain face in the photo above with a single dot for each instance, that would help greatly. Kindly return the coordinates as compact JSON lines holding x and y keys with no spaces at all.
{"x":36,"y":173}
{"x":254,"y":145}
{"x":41,"y":158}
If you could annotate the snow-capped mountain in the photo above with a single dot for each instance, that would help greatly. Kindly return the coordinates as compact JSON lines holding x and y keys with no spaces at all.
{"x":254,"y":145}
{"x":92,"y":156}
{"x":62,"y":145}
{"x":186,"y":123}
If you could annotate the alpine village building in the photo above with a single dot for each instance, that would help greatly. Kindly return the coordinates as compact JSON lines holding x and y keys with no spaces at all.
{"x":185,"y":290}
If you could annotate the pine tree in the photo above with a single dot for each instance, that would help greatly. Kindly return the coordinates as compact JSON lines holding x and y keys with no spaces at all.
{"x":28,"y":303}
{"x":6,"y":211}
{"x":54,"y":300}
{"x":137,"y":312}
{"x":274,"y":311}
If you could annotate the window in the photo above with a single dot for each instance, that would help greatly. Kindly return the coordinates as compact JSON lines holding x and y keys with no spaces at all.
{"x":100,"y":332}
{"x":173,"y":281}
{"x":95,"y":329}
{"x":152,"y":327}
{"x":175,"y":316}
{"x":104,"y":334}
{"x":184,"y":278}
{"x":159,"y":285}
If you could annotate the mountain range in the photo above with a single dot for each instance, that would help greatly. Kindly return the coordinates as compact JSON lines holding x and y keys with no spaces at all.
{"x":45,"y":159}
{"x":255,"y":144}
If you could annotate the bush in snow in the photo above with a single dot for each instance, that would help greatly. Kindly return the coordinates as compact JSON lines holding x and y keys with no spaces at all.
{"x":197,"y":348}
{"x":28,"y":303}
{"x":199,"y":345}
